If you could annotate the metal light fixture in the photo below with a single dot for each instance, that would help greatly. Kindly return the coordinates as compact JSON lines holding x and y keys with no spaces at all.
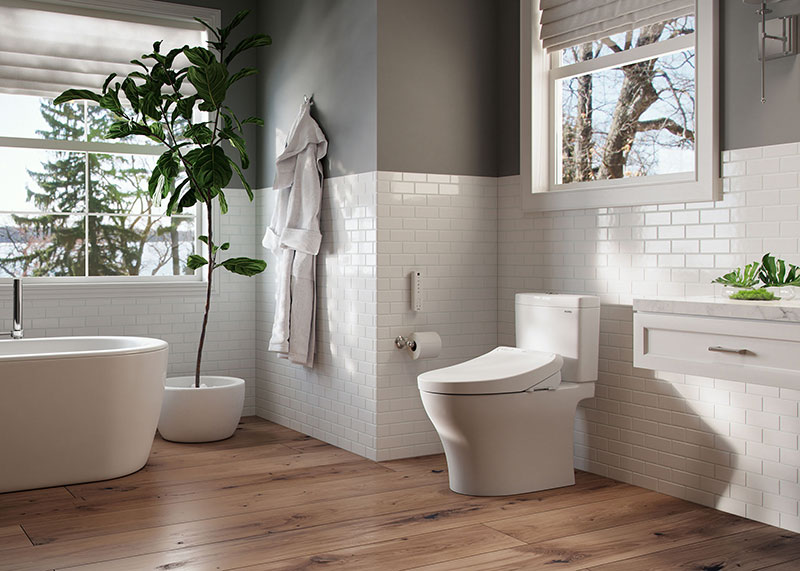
{"x":781,"y":33}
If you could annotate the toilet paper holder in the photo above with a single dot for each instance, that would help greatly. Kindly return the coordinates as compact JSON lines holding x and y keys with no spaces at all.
{"x":403,"y":342}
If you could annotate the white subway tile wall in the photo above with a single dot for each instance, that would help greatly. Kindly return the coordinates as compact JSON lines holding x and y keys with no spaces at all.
{"x":175,"y":318}
{"x":729,"y":445}
{"x":336,"y":401}
{"x":445,"y":227}
{"x":362,"y":393}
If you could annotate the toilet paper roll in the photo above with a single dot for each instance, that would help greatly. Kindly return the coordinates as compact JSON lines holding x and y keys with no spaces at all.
{"x":428,"y":344}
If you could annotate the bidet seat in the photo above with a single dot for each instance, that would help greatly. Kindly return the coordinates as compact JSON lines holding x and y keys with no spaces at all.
{"x":500,"y":371}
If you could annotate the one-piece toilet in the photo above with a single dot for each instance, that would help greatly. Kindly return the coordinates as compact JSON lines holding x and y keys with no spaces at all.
{"x":506,"y":418}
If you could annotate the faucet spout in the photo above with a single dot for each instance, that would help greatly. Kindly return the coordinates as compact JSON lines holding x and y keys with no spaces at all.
{"x":16,"y":327}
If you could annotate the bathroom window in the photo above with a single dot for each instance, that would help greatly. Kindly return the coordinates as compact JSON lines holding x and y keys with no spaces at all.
{"x":621,"y":116}
{"x":74,"y":204}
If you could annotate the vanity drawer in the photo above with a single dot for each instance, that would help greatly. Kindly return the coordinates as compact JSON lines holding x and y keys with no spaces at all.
{"x":753,"y":351}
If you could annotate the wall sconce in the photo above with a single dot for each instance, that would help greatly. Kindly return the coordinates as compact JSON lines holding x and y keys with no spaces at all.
{"x":777,"y":37}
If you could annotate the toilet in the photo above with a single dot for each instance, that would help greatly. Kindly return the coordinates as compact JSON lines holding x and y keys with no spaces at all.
{"x":506,"y":418}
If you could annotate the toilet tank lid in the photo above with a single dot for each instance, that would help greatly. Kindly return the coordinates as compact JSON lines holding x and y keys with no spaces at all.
{"x":502,"y":370}
{"x":557,"y":300}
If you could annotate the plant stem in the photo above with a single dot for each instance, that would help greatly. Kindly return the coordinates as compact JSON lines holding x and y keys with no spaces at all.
{"x":208,"y":301}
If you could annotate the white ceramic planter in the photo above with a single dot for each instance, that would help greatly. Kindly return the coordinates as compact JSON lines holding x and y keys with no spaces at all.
{"x":204,"y":414}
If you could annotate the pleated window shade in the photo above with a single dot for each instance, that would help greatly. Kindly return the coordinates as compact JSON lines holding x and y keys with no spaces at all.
{"x":566,"y":23}
{"x":47,"y":47}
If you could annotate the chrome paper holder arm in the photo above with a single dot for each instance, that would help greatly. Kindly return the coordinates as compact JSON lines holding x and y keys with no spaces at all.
{"x":404,"y":342}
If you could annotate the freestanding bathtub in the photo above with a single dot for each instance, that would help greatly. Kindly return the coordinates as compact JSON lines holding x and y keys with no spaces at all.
{"x":77,"y":409}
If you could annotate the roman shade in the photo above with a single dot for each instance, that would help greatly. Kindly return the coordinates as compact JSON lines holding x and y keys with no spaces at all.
{"x":49,"y":46}
{"x":566,"y":23}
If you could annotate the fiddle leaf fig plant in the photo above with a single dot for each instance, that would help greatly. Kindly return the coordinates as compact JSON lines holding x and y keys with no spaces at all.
{"x":162,"y":105}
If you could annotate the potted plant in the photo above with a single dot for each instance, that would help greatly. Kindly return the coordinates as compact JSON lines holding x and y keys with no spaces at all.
{"x":775,"y":277}
{"x":195,"y":168}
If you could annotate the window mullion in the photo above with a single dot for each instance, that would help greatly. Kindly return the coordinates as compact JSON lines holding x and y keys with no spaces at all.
{"x":633,"y":55}
{"x":86,"y":216}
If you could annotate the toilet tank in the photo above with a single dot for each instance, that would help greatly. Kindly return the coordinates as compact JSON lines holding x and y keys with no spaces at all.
{"x":568,"y":325}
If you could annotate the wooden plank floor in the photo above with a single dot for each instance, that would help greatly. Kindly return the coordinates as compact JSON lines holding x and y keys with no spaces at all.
{"x":272,"y":499}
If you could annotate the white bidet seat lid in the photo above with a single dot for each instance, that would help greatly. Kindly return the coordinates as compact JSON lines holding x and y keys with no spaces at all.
{"x":502,"y":370}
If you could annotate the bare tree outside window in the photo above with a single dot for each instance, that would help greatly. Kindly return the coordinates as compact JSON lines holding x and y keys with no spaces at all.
{"x":632,"y":121}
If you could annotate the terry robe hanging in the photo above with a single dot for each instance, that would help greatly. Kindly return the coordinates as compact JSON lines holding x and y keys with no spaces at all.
{"x":294,"y":237}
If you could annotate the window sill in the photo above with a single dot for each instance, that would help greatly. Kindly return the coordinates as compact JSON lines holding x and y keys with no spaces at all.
{"x":624,"y":195}
{"x":84,"y":290}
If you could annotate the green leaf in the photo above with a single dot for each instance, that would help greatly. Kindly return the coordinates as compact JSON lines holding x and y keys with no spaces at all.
{"x":175,"y":197}
{"x":203,"y":239}
{"x":189,"y":199}
{"x":212,"y":167}
{"x":195,"y":261}
{"x":254,"y":120}
{"x":241,"y":177}
{"x":244,"y":266}
{"x":210,"y":81}
{"x":775,"y":273}
{"x":242,"y":73}
{"x":209,"y":26}
{"x":238,"y":143}
{"x":185,"y":106}
{"x":199,"y":133}
{"x":199,"y":57}
{"x":129,"y":88}
{"x":255,"y":41}
{"x":111,"y":102}
{"x":173,"y":53}
{"x":140,"y":64}
{"x":223,"y":202}
{"x":162,"y":180}
{"x":118,"y":130}
{"x":76,"y":95}
{"x":746,"y":278}
{"x":225,"y":246}
{"x":108,"y":80}
{"x":237,"y":19}
{"x":150,"y":99}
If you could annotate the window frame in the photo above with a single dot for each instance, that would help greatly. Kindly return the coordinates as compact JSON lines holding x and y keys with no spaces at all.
{"x":538,"y":77}
{"x":80,"y":286}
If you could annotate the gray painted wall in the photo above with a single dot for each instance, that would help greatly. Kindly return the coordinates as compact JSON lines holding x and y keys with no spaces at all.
{"x":437,"y":86}
{"x":326,"y":48}
{"x":745,"y":121}
{"x":508,"y":87}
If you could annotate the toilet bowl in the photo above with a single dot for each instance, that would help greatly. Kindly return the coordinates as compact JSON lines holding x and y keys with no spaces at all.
{"x":506,"y":418}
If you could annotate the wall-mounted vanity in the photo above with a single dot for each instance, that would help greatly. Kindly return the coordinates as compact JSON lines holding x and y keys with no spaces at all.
{"x":754,"y":342}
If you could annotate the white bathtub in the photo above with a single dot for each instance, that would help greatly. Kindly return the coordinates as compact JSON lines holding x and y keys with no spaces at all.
{"x":77,"y":409}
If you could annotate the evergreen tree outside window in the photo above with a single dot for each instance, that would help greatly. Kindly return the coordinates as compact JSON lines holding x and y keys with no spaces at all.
{"x":74,"y":206}
{"x":77,"y":205}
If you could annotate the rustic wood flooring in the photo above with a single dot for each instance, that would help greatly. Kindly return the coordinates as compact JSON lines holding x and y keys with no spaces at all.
{"x":273,"y":499}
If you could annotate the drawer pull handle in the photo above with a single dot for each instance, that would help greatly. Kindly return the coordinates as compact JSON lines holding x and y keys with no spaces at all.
{"x":719,"y":349}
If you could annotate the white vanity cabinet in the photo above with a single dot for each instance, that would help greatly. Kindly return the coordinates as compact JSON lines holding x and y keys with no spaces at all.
{"x":713,"y":337}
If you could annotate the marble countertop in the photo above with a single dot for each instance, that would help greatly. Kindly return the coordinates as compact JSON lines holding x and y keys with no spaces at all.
{"x":786,"y":311}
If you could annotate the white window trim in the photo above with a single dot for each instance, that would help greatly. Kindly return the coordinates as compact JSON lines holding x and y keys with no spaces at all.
{"x":539,"y":192}
{"x":107,"y":286}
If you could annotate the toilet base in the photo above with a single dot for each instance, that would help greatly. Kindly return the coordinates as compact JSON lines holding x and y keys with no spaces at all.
{"x":504,"y":444}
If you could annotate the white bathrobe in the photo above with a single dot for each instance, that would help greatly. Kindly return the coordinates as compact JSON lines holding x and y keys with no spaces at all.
{"x":294,"y":237}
